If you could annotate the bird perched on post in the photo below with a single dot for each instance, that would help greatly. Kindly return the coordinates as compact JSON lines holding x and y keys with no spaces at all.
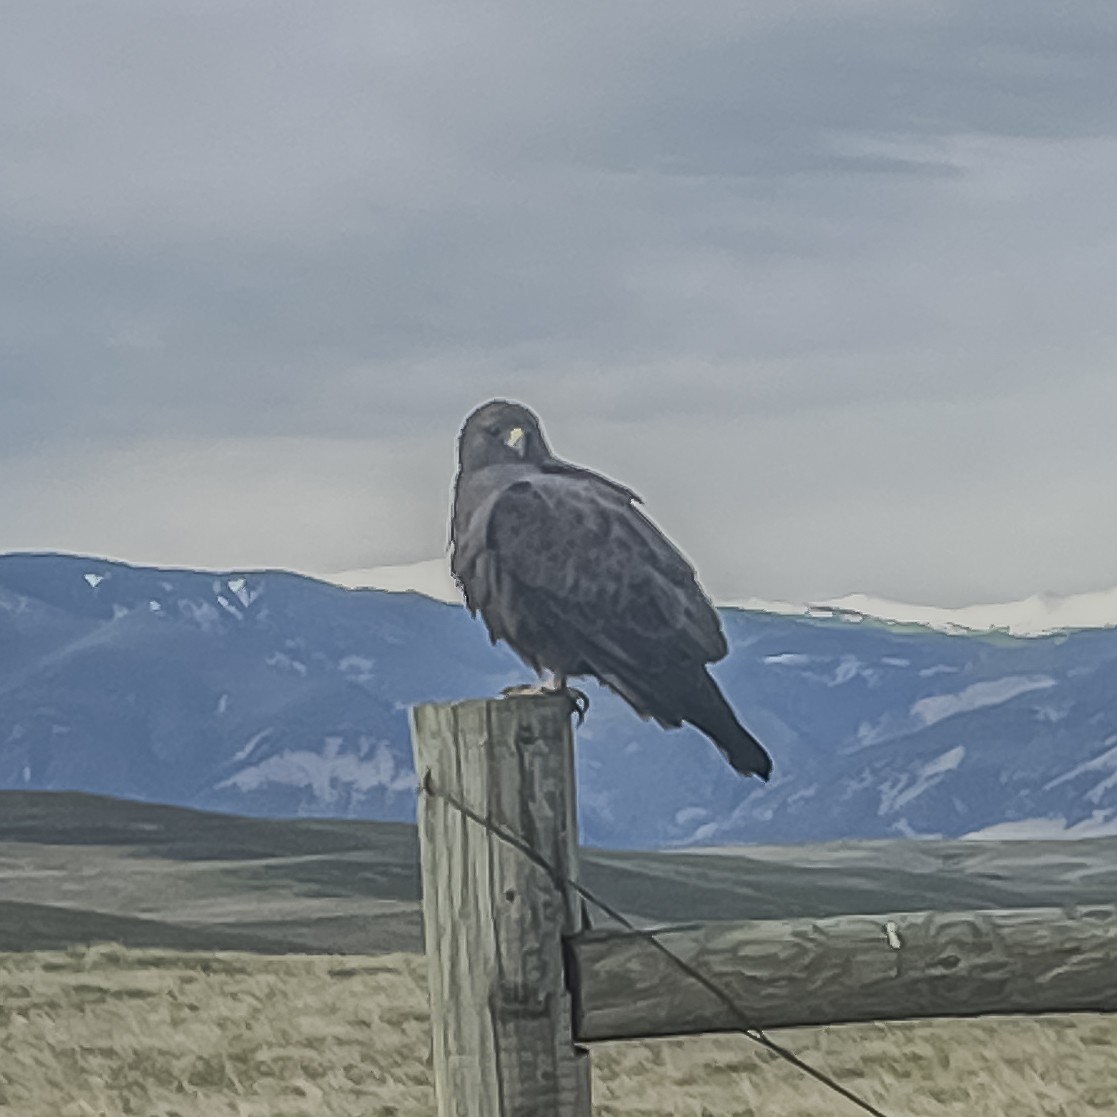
{"x":563,"y":566}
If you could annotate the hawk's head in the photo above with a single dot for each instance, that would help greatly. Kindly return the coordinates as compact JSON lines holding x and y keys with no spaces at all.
{"x":499,"y":432}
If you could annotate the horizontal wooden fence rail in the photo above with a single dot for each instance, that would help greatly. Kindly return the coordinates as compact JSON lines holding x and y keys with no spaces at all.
{"x":846,"y":969}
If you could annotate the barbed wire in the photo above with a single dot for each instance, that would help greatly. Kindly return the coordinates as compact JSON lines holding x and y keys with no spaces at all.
{"x":746,"y":1028}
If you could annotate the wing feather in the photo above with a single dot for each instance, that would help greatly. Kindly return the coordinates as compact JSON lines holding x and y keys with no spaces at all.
{"x":600,"y":568}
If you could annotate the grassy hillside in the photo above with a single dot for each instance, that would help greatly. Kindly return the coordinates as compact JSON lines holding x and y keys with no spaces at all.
{"x":79,"y":869}
{"x":253,"y":968}
{"x":108,"y":1032}
{"x":84,"y":868}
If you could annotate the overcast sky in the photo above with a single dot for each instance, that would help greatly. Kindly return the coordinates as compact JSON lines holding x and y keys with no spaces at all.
{"x":833,"y":286}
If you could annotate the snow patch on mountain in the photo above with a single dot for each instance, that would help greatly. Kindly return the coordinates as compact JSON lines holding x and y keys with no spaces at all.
{"x":286,"y":663}
{"x":229,"y":608}
{"x":898,"y":791}
{"x":243,"y":592}
{"x":330,"y":774}
{"x":846,"y":668}
{"x":993,"y":692}
{"x":933,"y":708}
{"x":787,"y":659}
{"x":1106,"y":762}
{"x":250,"y":745}
{"x":689,"y":815}
{"x":359,"y":668}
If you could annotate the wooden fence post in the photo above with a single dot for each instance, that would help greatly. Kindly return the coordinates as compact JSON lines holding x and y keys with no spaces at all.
{"x":494,"y":920}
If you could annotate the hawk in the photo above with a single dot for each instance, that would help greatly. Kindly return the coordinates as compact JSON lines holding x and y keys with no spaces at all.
{"x":565,"y":568}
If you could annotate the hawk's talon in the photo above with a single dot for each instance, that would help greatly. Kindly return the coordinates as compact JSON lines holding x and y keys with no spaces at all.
{"x":579,"y":700}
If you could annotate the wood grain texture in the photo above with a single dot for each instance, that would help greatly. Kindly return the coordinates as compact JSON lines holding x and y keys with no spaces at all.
{"x":791,"y":973}
{"x":494,"y":920}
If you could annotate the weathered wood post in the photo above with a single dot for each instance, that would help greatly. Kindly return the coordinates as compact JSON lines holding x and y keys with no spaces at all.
{"x":494,"y":919}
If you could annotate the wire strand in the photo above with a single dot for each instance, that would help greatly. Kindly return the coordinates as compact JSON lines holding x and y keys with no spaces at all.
{"x":745,"y":1028}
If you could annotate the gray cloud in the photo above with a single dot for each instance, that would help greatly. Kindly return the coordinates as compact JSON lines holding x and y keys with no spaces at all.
{"x":853,"y":270}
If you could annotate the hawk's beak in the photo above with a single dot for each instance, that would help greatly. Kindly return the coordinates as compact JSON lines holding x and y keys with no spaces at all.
{"x":515,"y":440}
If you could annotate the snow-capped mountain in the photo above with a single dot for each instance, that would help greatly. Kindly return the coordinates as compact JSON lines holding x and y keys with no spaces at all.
{"x":431,"y":577}
{"x":273,"y":693}
{"x":1038,"y":615}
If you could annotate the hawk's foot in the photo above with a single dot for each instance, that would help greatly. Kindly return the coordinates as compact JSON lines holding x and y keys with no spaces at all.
{"x":577,"y":698}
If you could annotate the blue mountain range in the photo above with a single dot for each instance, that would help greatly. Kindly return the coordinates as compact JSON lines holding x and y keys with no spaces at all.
{"x":269,"y":693}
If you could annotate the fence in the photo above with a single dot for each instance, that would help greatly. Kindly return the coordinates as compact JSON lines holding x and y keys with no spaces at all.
{"x":518,"y":981}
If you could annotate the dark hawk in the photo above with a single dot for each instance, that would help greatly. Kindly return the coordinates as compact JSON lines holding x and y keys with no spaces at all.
{"x":564,"y":567}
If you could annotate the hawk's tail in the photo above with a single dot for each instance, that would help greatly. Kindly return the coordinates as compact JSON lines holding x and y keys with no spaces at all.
{"x":714,"y":716}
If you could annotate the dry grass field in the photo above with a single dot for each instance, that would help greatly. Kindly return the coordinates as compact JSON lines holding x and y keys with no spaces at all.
{"x":104,"y":1031}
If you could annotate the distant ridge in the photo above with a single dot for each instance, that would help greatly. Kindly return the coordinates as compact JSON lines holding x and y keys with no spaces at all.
{"x":273,"y":694}
{"x":1039,"y":615}
{"x":430,"y":577}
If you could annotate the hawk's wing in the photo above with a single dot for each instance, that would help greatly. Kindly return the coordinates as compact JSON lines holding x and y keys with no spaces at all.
{"x":572,"y":549}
